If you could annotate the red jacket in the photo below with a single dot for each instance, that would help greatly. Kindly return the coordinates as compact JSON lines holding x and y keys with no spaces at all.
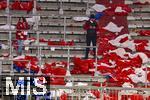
{"x":21,"y":35}
{"x":91,"y":24}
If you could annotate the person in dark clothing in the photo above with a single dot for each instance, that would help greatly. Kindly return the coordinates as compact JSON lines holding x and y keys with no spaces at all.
{"x":91,"y":27}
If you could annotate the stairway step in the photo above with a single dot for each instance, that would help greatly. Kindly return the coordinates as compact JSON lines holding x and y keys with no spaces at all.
{"x":141,"y":37}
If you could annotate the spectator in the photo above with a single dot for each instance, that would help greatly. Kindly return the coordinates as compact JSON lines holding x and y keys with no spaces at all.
{"x":91,"y":27}
{"x":20,"y":36}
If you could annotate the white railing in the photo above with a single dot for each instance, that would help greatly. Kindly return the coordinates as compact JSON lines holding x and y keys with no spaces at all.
{"x":39,"y":53}
{"x":82,"y":92}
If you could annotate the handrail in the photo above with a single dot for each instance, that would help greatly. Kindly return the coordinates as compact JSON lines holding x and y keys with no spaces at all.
{"x":62,"y":46}
{"x":44,"y":75}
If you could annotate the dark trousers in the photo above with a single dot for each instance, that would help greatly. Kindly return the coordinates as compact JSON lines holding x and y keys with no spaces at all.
{"x":90,"y":37}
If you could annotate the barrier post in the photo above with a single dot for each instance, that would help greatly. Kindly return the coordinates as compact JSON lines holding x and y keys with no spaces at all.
{"x":96,"y":74}
{"x":68,"y":60}
{"x":146,"y":73}
{"x":64,"y":28}
{"x":87,"y":9}
{"x":1,"y":68}
{"x":34,"y":11}
{"x":7,"y":9}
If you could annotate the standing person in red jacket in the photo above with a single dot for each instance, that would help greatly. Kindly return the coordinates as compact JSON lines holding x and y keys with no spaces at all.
{"x":91,"y":27}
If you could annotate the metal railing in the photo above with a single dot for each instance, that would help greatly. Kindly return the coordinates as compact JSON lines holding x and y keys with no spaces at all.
{"x":39,"y":53}
{"x":81,"y":92}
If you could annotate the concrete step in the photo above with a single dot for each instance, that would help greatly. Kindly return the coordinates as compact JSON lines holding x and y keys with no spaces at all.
{"x":68,"y":1}
{"x":77,"y":7}
{"x":141,"y":37}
